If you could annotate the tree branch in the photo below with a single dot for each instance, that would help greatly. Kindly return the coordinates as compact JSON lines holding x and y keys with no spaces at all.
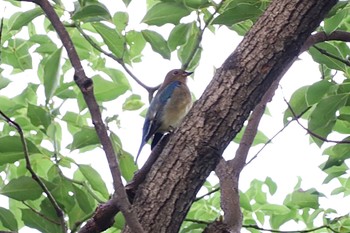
{"x":309,"y":131}
{"x":86,"y":86}
{"x":294,"y":231}
{"x":322,"y":37}
{"x":59,"y":211}
{"x":324,"y":52}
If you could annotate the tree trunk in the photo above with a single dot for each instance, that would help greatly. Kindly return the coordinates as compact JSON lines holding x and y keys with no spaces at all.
{"x":164,"y":198}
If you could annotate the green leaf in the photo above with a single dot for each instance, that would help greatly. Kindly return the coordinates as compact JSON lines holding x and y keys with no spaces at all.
{"x":38,"y":116}
{"x":238,"y":14}
{"x":136,"y":44}
{"x":127,"y":165}
{"x":94,"y":179}
{"x":74,"y":119}
{"x":196,"y":4}
{"x":133,"y":102}
{"x":271,"y":185}
{"x":84,"y":137}
{"x":20,"y":19}
{"x":244,"y":201}
{"x":127,"y":2}
{"x":187,"y":49}
{"x":4,"y":82}
{"x":92,"y":12}
{"x":106,"y":90}
{"x":157,"y":42}
{"x":118,"y":77}
{"x":22,"y":189}
{"x":38,"y":222}
{"x":334,"y":172}
{"x":178,"y":36}
{"x":337,"y":154}
{"x":120,"y":20}
{"x":84,"y":201}
{"x":52,"y":74}
{"x":113,"y":40}
{"x":333,"y":23}
{"x":17,"y":55}
{"x":278,"y":220}
{"x":330,"y":48}
{"x":8,"y":220}
{"x":11,"y":149}
{"x":323,"y":117}
{"x":316,"y":91}
{"x":305,"y":199}
{"x":275,"y":209}
{"x":165,"y":12}
{"x":297,"y":103}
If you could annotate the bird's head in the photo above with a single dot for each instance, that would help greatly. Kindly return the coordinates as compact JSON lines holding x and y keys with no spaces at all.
{"x":177,"y":75}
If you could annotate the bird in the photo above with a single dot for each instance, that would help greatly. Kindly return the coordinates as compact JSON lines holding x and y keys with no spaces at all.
{"x":167,"y":109}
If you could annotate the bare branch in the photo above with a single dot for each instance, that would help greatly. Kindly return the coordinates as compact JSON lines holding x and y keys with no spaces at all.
{"x":86,"y":86}
{"x":322,"y":37}
{"x":59,"y":211}
{"x":294,"y":231}
{"x":40,"y":214}
{"x":324,"y":52}
{"x":312,"y":133}
{"x":207,"y":194}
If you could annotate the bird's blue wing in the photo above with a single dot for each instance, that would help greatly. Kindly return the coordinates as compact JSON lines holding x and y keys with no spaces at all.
{"x":166,"y":93}
{"x":152,"y":121}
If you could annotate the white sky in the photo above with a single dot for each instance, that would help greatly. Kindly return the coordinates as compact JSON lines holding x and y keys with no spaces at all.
{"x":290,"y":155}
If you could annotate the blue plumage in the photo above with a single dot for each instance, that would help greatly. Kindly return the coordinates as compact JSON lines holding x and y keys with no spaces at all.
{"x":167,"y":108}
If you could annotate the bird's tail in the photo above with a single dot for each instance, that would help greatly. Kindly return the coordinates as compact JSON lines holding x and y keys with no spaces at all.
{"x":140,"y":149}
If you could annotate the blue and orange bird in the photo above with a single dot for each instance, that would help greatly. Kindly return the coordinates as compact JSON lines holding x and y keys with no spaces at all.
{"x":168,"y":107}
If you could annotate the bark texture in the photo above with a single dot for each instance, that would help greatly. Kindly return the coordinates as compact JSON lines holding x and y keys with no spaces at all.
{"x":194,"y":150}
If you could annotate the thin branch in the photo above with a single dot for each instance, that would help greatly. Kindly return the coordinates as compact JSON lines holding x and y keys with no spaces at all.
{"x":276,"y":134}
{"x":199,"y":37}
{"x":322,"y":37}
{"x":207,"y":194}
{"x":324,"y":52}
{"x":40,"y":214}
{"x":86,"y":86}
{"x":294,"y":231}
{"x":310,"y":132}
{"x":59,"y":211}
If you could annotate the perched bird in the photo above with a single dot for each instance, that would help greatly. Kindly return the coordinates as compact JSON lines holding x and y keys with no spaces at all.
{"x":168,"y":107}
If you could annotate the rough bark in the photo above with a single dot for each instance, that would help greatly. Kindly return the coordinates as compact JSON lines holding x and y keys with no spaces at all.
{"x":194,"y":150}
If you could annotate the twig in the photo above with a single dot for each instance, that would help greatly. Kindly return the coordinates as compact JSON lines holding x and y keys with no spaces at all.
{"x":207,"y":194}
{"x":40,"y":214}
{"x":312,"y":133}
{"x":86,"y":87}
{"x":78,"y":223}
{"x":278,"y":132}
{"x":197,"y":221}
{"x":324,"y":52}
{"x":199,"y":37}
{"x":35,"y":177}
{"x":294,"y":231}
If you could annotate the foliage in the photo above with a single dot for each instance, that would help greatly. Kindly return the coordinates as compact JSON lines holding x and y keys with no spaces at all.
{"x":47,"y":124}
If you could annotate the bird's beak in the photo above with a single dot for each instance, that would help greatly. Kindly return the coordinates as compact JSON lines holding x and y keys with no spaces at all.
{"x":188,"y":73}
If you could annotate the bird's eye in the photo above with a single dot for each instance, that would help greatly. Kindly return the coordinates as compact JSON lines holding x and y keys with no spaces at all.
{"x":176,"y":72}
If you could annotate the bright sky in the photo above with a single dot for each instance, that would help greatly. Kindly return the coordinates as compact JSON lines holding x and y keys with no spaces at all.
{"x":290,"y":155}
